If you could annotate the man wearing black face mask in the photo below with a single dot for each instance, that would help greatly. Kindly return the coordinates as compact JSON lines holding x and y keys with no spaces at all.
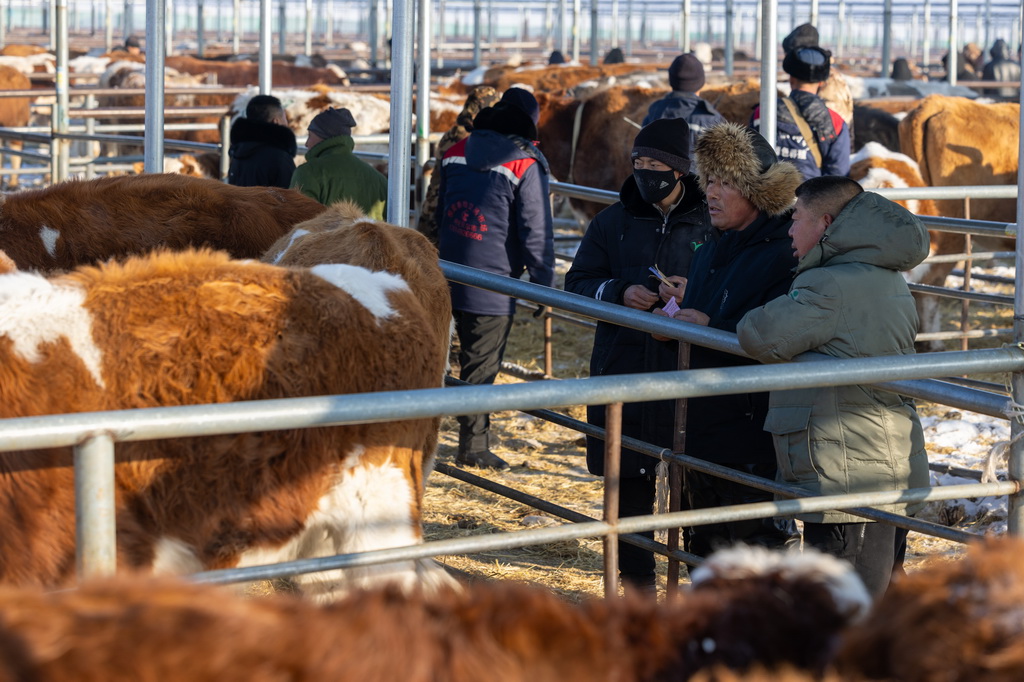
{"x":661,"y":220}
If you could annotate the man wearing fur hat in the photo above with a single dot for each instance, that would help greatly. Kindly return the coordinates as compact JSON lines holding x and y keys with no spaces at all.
{"x":809,"y":134}
{"x":494,"y":214}
{"x":849,"y":299}
{"x":660,"y":220}
{"x":749,"y":194}
{"x":686,"y":76}
{"x":332,"y":173}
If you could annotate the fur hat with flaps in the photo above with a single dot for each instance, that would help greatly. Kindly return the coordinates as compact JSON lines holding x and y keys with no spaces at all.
{"x":742,"y":157}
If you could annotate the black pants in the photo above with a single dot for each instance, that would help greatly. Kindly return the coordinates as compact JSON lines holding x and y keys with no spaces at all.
{"x":704,"y":491}
{"x":482,"y":340}
{"x":876,"y":550}
{"x":636,"y":498}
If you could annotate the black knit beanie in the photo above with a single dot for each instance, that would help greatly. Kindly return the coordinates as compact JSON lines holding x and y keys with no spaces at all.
{"x":810,"y":64}
{"x":666,"y":140}
{"x":517,"y":113}
{"x":686,"y":73}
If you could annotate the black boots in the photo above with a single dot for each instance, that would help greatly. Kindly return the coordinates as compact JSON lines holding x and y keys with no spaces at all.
{"x":483,"y":459}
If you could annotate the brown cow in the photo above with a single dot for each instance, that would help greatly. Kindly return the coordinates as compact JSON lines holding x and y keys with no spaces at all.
{"x":14,"y":112}
{"x":245,"y":73}
{"x":79,"y":222}
{"x":771,"y":613}
{"x":559,"y":78}
{"x":195,"y":328}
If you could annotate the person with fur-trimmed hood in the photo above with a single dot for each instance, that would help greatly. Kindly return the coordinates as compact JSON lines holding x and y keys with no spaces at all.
{"x":849,"y":300}
{"x":814,"y":137}
{"x":749,"y":195}
{"x":660,"y":220}
{"x":262,"y":147}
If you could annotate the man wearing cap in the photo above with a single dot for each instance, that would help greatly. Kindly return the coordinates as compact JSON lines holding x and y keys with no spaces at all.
{"x":262,"y":146}
{"x":493,"y":214}
{"x":686,"y":76}
{"x":750,"y":193}
{"x":132,"y":45}
{"x":812,"y":136}
{"x":332,"y":173}
{"x":660,"y":221}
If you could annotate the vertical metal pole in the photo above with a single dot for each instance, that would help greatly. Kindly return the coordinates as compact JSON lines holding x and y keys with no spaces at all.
{"x":236,"y":26}
{"x":1015,"y":465}
{"x":374,"y":21}
{"x":126,"y":18}
{"x":757,"y":28}
{"x":841,"y":41}
{"x":988,"y":25}
{"x":154,"y":145}
{"x":814,"y":13}
{"x":169,"y":28}
{"x":3,"y":25}
{"x":402,"y":24}
{"x":60,"y":40}
{"x":549,"y":355}
{"x":200,"y":30}
{"x":108,"y":27}
{"x":282,"y":27}
{"x":629,"y":28}
{"x":684,"y":45}
{"x":886,"y":39}
{"x":90,"y":128}
{"x":329,"y":24}
{"x":769,"y":68}
{"x":576,"y":30}
{"x":926,"y":38}
{"x":612,"y":470}
{"x":225,"y":145}
{"x":478,"y":9}
{"x":675,"y":471}
{"x":954,"y":41}
{"x":563,"y":34}
{"x":266,"y":68}
{"x":423,"y":96}
{"x":95,"y":507}
{"x":615,"y":23}
{"x":308,"y":45}
{"x":439,"y":44}
{"x":594,"y":47}
{"x":729,"y":38}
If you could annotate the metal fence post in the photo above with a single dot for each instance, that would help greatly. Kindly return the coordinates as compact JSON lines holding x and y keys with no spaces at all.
{"x":96,"y":551}
{"x":225,"y":145}
{"x":612,"y":468}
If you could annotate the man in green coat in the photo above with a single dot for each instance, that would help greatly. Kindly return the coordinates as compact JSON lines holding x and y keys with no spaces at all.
{"x":332,"y":173}
{"x":848,"y":300}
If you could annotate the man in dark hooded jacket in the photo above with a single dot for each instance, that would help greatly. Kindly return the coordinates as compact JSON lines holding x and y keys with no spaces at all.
{"x":263,"y":147}
{"x":686,"y":76}
{"x":660,"y":220}
{"x":1001,"y":68}
{"x":750,"y":194}
{"x":494,"y":214}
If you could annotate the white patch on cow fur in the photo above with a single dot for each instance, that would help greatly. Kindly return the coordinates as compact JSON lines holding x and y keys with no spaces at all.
{"x":34,"y":311}
{"x":171,"y":556}
{"x":874,"y":150}
{"x":49,"y":236}
{"x":742,"y":561}
{"x":369,"y":288}
{"x":295,"y":235}
{"x":369,"y":508}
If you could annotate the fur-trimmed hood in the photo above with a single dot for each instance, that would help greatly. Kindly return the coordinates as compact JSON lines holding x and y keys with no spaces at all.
{"x":734,"y":153}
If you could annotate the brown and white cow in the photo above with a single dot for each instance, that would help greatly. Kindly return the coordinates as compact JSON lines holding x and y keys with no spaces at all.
{"x":784,"y":614}
{"x":87,"y":221}
{"x":195,"y":328}
{"x":14,"y":112}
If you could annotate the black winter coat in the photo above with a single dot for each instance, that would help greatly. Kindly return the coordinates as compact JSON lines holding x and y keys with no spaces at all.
{"x":262,"y":154}
{"x":620,"y":244}
{"x":729,"y":277}
{"x":698,"y":113}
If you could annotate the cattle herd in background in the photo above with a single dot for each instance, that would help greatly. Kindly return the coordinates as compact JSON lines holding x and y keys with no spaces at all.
{"x":171,"y":290}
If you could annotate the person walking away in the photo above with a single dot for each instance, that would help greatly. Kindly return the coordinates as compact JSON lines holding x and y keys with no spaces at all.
{"x":849,"y":300}
{"x":1001,"y":68}
{"x":494,"y":214}
{"x":812,"y":136}
{"x":686,"y":76}
{"x":333,"y":173}
{"x":660,"y":221}
{"x":750,"y":194}
{"x":263,"y":147}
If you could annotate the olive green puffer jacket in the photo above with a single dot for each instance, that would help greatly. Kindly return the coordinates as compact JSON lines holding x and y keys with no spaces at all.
{"x":848,"y":300}
{"x":333,"y":173}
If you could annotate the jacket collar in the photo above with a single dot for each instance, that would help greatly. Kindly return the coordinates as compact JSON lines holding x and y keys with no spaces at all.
{"x":332,"y":145}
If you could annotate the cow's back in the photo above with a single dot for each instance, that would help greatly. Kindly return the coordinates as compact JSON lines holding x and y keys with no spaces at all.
{"x":81,"y":222}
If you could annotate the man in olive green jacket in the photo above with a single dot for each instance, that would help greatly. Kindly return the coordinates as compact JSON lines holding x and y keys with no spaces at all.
{"x":332,"y":173}
{"x":848,"y":300}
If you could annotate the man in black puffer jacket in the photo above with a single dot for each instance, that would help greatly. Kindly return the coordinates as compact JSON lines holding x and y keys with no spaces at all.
{"x":750,"y":194}
{"x":263,"y":147}
{"x":661,"y":220}
{"x":686,"y":76}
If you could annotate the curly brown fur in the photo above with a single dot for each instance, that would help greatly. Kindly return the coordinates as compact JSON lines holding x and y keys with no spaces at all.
{"x":725,"y":151}
{"x":958,"y":621}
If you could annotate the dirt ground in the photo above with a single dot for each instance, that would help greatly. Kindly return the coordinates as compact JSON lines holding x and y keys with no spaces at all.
{"x":547,"y":461}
